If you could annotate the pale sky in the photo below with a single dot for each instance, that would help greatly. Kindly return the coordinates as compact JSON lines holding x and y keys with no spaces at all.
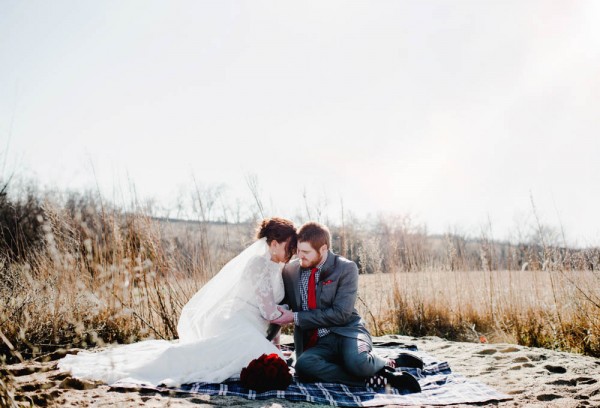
{"x":455,"y":112}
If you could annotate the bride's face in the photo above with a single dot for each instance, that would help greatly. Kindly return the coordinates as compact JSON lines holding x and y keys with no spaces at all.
{"x":278,"y":251}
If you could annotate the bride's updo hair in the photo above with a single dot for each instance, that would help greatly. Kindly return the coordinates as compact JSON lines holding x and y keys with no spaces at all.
{"x":280,"y":230}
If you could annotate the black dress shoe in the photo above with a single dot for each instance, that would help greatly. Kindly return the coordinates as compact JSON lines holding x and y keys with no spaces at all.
{"x":408,"y":360}
{"x":401,"y":380}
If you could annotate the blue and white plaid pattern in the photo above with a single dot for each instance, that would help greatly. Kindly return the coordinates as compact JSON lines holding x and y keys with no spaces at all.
{"x":439,"y":387}
{"x":304,"y":277}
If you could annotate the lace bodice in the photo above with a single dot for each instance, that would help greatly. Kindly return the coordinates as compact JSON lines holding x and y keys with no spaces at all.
{"x":264,"y":277}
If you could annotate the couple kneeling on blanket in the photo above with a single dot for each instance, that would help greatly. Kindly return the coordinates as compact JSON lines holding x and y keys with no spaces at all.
{"x":236,"y":317}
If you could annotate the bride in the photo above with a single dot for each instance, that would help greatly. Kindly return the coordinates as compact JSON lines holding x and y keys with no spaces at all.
{"x":221,"y":329}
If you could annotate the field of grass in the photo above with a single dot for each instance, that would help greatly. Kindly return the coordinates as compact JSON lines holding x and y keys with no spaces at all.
{"x":552,"y":309}
{"x":79,"y":273}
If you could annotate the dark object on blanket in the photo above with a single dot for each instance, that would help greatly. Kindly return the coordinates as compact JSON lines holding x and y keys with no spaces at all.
{"x":272,"y":331}
{"x":408,"y":360}
{"x":401,"y":380}
{"x":268,"y":372}
{"x":395,"y":344}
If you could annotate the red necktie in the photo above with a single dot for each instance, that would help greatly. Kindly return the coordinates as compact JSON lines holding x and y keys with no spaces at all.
{"x":312,"y":304}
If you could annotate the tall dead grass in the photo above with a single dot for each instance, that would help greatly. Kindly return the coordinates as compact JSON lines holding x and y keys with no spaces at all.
{"x":87,"y":273}
{"x":533,"y":308}
{"x":533,"y":293}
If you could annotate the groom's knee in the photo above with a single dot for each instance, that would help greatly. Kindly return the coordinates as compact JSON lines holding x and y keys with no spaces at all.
{"x":361,"y":364}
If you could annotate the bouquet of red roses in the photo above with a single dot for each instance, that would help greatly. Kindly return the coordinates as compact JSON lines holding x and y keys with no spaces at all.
{"x":268,"y":372}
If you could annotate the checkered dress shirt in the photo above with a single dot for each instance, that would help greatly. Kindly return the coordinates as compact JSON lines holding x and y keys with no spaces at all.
{"x":304,"y":277}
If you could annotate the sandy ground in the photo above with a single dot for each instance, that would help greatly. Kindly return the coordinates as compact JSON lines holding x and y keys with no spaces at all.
{"x":533,"y":377}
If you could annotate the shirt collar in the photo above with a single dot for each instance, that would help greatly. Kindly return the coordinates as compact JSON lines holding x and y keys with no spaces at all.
{"x":320,"y":265}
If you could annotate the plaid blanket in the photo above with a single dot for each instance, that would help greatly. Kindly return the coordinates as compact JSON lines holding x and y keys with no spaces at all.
{"x":439,"y":387}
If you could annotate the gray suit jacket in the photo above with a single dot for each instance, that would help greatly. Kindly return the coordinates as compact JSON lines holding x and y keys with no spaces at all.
{"x":336,"y":296}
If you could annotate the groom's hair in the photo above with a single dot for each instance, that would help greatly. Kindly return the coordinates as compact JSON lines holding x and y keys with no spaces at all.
{"x":316,"y":234}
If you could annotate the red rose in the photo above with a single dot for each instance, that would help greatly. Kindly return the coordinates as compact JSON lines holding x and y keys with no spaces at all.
{"x":267,"y":372}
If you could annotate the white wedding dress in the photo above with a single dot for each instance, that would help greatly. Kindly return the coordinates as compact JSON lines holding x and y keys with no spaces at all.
{"x":221,"y":329}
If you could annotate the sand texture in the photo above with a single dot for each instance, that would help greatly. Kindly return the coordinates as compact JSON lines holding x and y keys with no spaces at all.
{"x":533,"y":377}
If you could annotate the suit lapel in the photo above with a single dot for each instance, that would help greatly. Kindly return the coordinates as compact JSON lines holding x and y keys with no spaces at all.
{"x":326,"y":271}
{"x":328,"y":266}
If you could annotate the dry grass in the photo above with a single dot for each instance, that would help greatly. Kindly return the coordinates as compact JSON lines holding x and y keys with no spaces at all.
{"x":552,"y":309}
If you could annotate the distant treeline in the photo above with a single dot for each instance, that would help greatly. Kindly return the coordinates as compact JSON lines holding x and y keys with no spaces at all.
{"x":387,"y":245}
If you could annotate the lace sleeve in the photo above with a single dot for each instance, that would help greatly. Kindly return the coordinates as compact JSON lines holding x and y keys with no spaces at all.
{"x":259,"y":273}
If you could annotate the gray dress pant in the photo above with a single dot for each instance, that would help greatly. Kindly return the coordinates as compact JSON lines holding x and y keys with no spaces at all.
{"x":339,"y":359}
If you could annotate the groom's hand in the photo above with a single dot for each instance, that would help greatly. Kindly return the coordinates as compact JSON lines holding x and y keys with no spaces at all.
{"x":287,"y":316}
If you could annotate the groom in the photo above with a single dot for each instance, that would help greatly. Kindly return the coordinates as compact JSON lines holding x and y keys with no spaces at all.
{"x":331,"y":341}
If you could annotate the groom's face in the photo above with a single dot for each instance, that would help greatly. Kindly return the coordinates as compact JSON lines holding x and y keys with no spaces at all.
{"x":309,"y":257}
